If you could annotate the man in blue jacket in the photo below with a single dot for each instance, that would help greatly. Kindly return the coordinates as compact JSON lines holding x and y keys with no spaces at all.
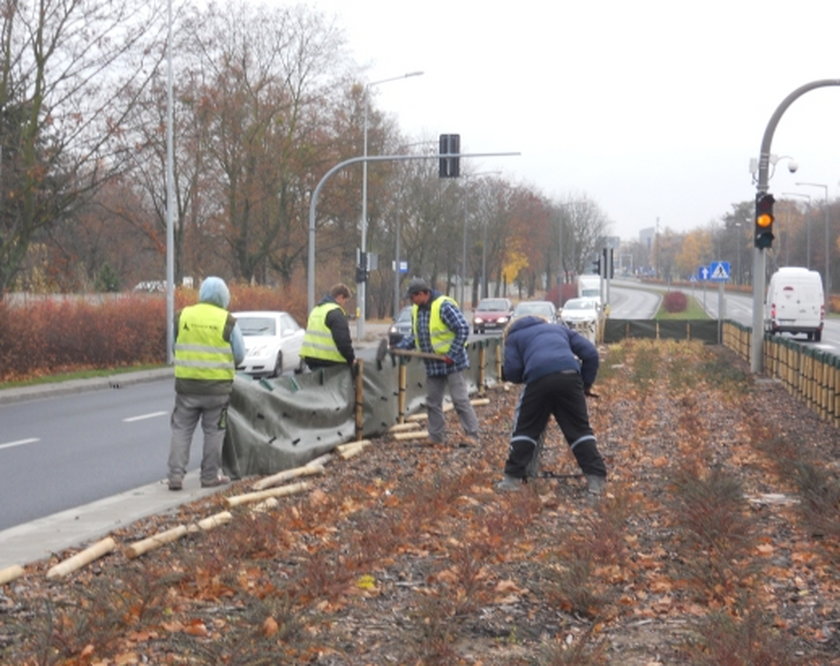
{"x":558,"y":367}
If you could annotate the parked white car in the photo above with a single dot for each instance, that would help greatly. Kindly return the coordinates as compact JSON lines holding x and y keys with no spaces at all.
{"x":577,"y":310}
{"x":581,"y":315}
{"x":272,"y":342}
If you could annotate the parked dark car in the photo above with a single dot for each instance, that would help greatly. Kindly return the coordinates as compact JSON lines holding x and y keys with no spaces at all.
{"x":401,"y":326}
{"x":491,"y":314}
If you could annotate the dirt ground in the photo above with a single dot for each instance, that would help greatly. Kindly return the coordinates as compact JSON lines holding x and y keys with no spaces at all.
{"x":716,"y":543}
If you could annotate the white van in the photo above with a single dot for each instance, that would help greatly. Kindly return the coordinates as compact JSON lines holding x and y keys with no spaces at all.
{"x":795,"y":303}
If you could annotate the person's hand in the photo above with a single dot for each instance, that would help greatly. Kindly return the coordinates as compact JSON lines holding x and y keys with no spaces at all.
{"x":589,"y":392}
{"x":449,"y":360}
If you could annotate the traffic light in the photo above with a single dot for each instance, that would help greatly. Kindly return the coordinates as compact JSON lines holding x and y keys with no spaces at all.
{"x":361,"y":274}
{"x":450,"y":167}
{"x":764,"y":220}
{"x":596,"y":266}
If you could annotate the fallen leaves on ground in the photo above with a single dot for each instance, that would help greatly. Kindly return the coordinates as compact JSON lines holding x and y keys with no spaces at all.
{"x":406,"y":555}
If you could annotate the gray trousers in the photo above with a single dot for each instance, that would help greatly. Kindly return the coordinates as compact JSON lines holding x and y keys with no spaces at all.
{"x":189,"y":408}
{"x":435,"y":388}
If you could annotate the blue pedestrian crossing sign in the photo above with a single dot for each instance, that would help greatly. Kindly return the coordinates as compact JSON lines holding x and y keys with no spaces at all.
{"x":719,"y":271}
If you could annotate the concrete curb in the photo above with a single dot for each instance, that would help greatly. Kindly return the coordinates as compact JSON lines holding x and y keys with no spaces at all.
{"x":33,"y":392}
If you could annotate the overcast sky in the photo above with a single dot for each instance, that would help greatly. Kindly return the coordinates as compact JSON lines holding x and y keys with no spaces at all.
{"x":651,"y":108}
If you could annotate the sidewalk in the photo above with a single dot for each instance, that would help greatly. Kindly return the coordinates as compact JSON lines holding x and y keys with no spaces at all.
{"x":80,"y":525}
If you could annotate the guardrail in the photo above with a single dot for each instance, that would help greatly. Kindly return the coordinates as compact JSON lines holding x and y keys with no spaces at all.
{"x":812,"y":375}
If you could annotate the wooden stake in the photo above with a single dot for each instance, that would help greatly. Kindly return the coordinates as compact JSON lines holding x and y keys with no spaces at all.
{"x":11,"y":573}
{"x":215,"y":520}
{"x":156,"y":541}
{"x":291,"y":489}
{"x":415,"y":434}
{"x":286,"y":475}
{"x":82,"y":558}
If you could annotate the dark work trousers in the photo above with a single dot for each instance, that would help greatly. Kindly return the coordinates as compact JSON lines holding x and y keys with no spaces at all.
{"x":559,"y":394}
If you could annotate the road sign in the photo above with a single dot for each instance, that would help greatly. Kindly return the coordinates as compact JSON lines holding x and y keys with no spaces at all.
{"x":719,"y":271}
{"x":703,"y":273}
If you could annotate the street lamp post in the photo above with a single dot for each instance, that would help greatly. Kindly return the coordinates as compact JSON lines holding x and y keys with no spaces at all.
{"x":827,"y":249}
{"x":362,"y":291}
{"x":807,"y":224}
{"x":464,"y":243}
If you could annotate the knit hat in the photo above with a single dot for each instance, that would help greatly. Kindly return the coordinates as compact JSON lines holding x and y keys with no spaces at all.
{"x":416,"y":286}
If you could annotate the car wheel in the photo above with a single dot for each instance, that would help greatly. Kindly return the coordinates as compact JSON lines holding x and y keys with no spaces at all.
{"x":278,"y":365}
{"x":817,"y":336}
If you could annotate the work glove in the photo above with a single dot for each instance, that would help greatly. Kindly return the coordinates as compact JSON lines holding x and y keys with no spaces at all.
{"x":448,"y":360}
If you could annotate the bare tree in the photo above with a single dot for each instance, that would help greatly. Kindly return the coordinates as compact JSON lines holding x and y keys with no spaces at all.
{"x":61,"y":63}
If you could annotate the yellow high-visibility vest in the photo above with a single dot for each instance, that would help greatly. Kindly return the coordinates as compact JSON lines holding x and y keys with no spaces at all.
{"x":318,"y":340}
{"x":201,"y":351}
{"x":441,"y":335}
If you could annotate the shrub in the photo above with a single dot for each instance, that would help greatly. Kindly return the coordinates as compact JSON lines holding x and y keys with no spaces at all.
{"x":63,"y":334}
{"x":675,"y":301}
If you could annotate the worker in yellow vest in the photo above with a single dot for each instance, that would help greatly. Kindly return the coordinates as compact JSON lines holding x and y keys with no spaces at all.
{"x":208,"y":347}
{"x":327,"y":340}
{"x":439,"y":327}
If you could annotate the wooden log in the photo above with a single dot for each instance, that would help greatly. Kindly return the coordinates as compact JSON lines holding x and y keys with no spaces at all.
{"x":11,"y":573}
{"x":351,"y":450}
{"x":348,"y":445}
{"x":286,"y":475}
{"x":215,"y":520}
{"x":247,"y":498}
{"x":352,"y":445}
{"x":478,"y":402}
{"x":265,"y":505}
{"x":155,"y":541}
{"x":321,"y":460}
{"x":82,"y":558}
{"x":402,"y":427}
{"x":414,"y":434}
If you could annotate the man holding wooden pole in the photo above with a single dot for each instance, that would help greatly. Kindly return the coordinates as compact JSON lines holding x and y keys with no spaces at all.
{"x":439,"y":331}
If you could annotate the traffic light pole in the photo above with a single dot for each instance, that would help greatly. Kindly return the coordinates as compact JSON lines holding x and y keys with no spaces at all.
{"x":313,"y":202}
{"x":759,"y":256}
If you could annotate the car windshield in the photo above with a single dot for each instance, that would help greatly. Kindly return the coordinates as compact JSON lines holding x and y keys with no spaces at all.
{"x":404,"y":315}
{"x":532,"y":308}
{"x":492,"y":306}
{"x":579,"y":305}
{"x":257,"y":325}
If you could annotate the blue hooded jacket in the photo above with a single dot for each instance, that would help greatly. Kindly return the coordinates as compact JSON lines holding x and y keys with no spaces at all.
{"x":535,"y":348}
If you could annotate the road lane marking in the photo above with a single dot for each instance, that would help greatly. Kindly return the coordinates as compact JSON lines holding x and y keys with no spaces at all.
{"x":151,"y":415}
{"x":20,"y":442}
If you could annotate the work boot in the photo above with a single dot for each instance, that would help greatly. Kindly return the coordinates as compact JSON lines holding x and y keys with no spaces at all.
{"x":595,"y":484}
{"x":469,"y":441}
{"x":509,"y":483}
{"x":175,"y":484}
{"x":220,"y":480}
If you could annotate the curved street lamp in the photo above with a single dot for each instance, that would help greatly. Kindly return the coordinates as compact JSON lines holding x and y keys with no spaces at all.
{"x":827,"y":243}
{"x":362,"y":290}
{"x":464,"y":244}
{"x":807,"y":224}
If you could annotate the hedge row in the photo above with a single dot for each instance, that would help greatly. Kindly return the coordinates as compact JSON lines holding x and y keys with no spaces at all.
{"x":53,"y":335}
